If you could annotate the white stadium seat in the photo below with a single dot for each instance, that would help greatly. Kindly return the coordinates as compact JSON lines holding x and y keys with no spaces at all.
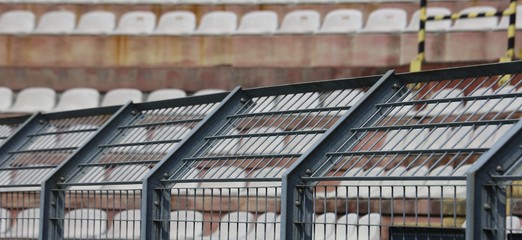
{"x":90,"y":175}
{"x":56,"y":22}
{"x":263,"y":189}
{"x":208,"y":91}
{"x":389,"y":189}
{"x":444,"y":108}
{"x":408,"y":188}
{"x":136,"y":22}
{"x":440,"y":25}
{"x":298,"y":101}
{"x":266,"y":227}
{"x":6,"y":98}
{"x":5,"y":220}
{"x":186,"y":224}
{"x":512,"y":104}
{"x":166,"y":133}
{"x":228,"y":146}
{"x":185,"y":188}
{"x":258,"y":22}
{"x":365,"y":188}
{"x":346,"y":226}
{"x":126,"y":225}
{"x":222,"y":189}
{"x":34,"y":99}
{"x":121,"y":96}
{"x":96,"y":22}
{"x":342,"y":21}
{"x":432,"y":188}
{"x":176,"y":23}
{"x":234,"y":225}
{"x":262,"y":144}
{"x":218,"y":23}
{"x":27,"y":225}
{"x":347,"y":188}
{"x":300,"y":21}
{"x":368,"y":228}
{"x":17,"y":21}
{"x":481,"y":106}
{"x":85,"y":223}
{"x":300,"y":143}
{"x":78,"y":98}
{"x":324,"y":226}
{"x":474,"y":24}
{"x":125,"y":173}
{"x":130,"y":136}
{"x":164,"y":94}
{"x":386,"y":20}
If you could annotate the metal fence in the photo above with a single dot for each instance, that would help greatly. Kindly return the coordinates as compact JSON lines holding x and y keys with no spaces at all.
{"x":97,"y":193}
{"x":225,"y":181}
{"x":398,"y":162}
{"x":43,"y":143}
{"x":381,"y":157}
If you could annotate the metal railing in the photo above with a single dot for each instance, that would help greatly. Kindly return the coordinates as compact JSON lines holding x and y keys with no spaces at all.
{"x":97,"y":193}
{"x":30,"y":155}
{"x":400,"y":158}
{"x":224,"y":182}
{"x":385,"y":157}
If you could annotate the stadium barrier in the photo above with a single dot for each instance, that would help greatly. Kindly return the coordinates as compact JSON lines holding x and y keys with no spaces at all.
{"x":399,"y":160}
{"x":362,"y":158}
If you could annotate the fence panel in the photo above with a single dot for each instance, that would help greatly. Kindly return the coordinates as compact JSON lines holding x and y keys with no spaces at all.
{"x":97,"y":194}
{"x":399,"y":161}
{"x":31,"y":153}
{"x":225,"y":181}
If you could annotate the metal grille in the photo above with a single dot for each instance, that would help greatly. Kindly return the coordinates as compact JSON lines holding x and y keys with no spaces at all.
{"x":401,"y":157}
{"x":30,"y":156}
{"x":101,"y":191}
{"x":494,"y":209}
{"x":228,"y":186}
{"x":8,"y":126}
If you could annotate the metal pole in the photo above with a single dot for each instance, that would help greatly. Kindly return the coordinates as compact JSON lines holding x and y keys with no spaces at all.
{"x":416,"y":65}
{"x":510,"y":54}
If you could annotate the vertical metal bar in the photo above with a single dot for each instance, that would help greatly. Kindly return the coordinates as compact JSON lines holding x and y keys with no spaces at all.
{"x":296,"y":198}
{"x":511,"y":33}
{"x":416,"y":65}
{"x":156,"y":202}
{"x":52,"y":203}
{"x":481,"y":193}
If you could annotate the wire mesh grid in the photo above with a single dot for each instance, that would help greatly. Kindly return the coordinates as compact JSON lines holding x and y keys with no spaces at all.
{"x":8,"y":126}
{"x":405,"y":165}
{"x":52,"y":140}
{"x":102,"y":194}
{"x":230,"y":186}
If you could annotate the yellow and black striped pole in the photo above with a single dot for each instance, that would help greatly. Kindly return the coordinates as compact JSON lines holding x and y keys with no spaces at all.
{"x":456,"y":16}
{"x":511,"y":12}
{"x":416,"y":64}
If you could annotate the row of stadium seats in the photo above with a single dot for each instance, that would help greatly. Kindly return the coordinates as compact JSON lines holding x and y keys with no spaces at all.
{"x":44,"y":99}
{"x":187,"y":224}
{"x":257,"y":22}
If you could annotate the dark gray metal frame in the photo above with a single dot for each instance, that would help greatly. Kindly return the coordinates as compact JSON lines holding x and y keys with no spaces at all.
{"x":486,"y":212}
{"x":53,"y":203}
{"x":296,"y":192}
{"x":156,"y":203}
